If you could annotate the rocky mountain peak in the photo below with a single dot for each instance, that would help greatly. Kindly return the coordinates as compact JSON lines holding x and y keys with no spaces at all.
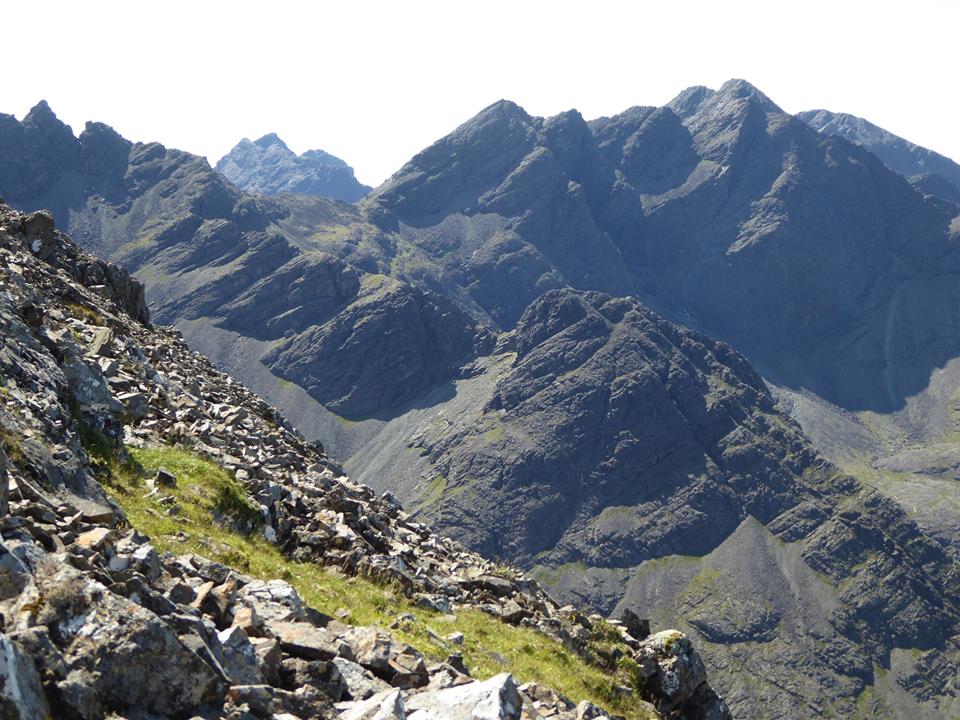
{"x":743,"y":90}
{"x":498,"y":125}
{"x":503,"y":109}
{"x":484,"y":150}
{"x":721,"y":117}
{"x":847,"y":126}
{"x":54,"y":138}
{"x":902,"y":156}
{"x":688,"y":101}
{"x":104,"y":152}
{"x":269,"y":140}
{"x":41,"y":115}
{"x":268,"y":166}
{"x":324,"y":157}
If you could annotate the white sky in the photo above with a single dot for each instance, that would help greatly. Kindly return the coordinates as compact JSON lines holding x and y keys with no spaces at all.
{"x":375,"y":82}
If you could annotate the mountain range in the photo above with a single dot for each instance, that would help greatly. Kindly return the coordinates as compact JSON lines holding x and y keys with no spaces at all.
{"x":696,"y":360}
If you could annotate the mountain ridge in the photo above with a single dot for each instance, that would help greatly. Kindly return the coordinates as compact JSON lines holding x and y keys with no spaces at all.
{"x":924,"y":168}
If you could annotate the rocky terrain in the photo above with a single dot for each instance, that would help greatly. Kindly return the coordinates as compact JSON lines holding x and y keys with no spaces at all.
{"x":926,"y":170}
{"x":268,"y":166}
{"x":97,"y":621}
{"x":494,"y":335}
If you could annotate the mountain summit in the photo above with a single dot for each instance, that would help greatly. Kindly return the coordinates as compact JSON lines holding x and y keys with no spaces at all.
{"x":268,"y":166}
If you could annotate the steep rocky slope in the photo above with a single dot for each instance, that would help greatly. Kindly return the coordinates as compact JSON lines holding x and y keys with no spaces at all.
{"x":97,"y":622}
{"x":683,"y":441}
{"x":268,"y":166}
{"x":927,"y":170}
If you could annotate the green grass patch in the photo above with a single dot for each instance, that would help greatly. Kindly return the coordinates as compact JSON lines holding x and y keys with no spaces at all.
{"x":149,"y":274}
{"x":494,"y":434}
{"x":704,"y":582}
{"x":551,"y":575}
{"x":433,"y":491}
{"x":11,"y":448}
{"x":372,"y":281}
{"x":330,"y":233}
{"x":206,"y":492}
{"x":84,"y":313}
{"x":143,"y":241}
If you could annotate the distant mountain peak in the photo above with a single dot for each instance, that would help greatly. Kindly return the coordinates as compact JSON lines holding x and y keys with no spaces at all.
{"x":267,"y":165}
{"x":693,"y":99}
{"x":323,"y":155}
{"x":270,"y":140}
{"x":689,"y":101}
{"x":40,"y":110}
{"x":742,"y":89}
{"x":42,"y":116}
{"x":503,"y":113}
{"x":504,"y":107}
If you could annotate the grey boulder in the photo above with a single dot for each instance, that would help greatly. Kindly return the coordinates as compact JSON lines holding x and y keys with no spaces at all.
{"x":117,"y":654}
{"x":21,"y":696}
{"x":495,"y":699}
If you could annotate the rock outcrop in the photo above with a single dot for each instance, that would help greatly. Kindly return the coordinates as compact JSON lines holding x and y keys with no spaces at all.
{"x":98,"y":623}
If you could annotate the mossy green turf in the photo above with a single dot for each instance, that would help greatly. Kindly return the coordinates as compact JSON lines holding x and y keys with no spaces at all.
{"x":87,"y":314}
{"x":213,"y":517}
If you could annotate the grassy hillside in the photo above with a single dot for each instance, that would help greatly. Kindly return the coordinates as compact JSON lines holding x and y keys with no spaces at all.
{"x":178,"y":520}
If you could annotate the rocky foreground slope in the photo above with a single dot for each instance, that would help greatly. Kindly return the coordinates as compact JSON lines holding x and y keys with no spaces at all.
{"x":97,"y":622}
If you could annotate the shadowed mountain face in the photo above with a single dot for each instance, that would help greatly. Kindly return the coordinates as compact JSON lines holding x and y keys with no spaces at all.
{"x":268,"y":166}
{"x":829,"y":271}
{"x":622,"y":416}
{"x":930,"y":172}
{"x":485,"y":336}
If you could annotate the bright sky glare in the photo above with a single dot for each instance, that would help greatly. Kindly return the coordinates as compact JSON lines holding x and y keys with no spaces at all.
{"x":376,"y":81}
